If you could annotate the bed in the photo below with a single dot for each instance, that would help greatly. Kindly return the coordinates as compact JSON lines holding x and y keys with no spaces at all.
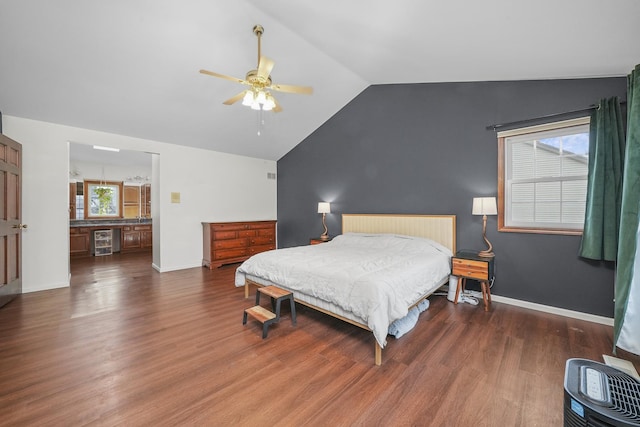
{"x":369,"y":276}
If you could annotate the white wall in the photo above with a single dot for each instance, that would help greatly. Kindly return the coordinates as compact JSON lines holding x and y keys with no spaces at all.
{"x":96,"y":172}
{"x":213,"y":186}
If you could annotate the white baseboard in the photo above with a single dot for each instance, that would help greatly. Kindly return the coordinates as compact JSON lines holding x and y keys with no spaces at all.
{"x":175,"y":267}
{"x":554,"y":310}
{"x":44,"y":287}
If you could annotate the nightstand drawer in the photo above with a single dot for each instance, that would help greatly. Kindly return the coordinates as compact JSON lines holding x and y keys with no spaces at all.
{"x":470,"y":268}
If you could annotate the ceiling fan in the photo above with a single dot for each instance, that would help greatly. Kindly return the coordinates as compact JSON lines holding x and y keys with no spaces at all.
{"x":259,"y":96}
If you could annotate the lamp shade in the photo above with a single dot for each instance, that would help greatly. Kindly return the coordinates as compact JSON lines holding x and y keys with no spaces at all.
{"x":324,"y":207}
{"x":484,"y":206}
{"x":248,"y":98}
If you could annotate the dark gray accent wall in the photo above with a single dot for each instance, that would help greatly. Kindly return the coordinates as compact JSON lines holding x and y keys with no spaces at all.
{"x":424,"y":149}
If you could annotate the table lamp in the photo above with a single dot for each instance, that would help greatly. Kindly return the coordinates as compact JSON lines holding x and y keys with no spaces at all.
{"x":485,"y":206}
{"x":324,"y":208}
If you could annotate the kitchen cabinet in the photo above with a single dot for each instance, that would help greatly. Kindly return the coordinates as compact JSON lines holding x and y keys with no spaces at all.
{"x":145,"y":201}
{"x":126,"y":236}
{"x":80,"y":241}
{"x":131,"y":201}
{"x":136,"y":237}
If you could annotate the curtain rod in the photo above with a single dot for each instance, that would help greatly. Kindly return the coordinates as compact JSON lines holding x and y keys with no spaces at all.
{"x":549,"y":116}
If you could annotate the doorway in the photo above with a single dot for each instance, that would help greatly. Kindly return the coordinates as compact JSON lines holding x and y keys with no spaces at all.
{"x":128,"y":221}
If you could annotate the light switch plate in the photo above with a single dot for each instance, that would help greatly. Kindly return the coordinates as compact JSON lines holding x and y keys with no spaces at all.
{"x":175,"y":197}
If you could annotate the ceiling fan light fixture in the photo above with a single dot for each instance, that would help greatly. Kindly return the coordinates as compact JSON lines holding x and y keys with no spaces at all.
{"x":261,"y":98}
{"x":269,"y":103}
{"x":258,"y":96}
{"x":248,"y":98}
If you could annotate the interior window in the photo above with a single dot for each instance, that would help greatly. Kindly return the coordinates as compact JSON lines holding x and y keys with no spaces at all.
{"x":79,"y":200}
{"x":102,"y":199}
{"x":542,"y":177}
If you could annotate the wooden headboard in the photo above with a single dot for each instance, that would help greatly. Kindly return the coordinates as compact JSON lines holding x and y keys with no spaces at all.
{"x":441,"y":228}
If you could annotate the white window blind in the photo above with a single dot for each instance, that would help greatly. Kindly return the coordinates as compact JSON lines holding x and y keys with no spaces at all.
{"x":545,"y":175}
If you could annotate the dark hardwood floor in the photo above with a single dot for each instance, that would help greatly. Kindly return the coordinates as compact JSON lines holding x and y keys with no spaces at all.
{"x":126,"y":345}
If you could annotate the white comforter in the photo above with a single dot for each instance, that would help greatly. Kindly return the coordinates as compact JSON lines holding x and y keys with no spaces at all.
{"x":374,"y":276}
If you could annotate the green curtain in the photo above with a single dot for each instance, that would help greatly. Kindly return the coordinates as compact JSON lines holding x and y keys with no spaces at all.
{"x":604,"y":182}
{"x":630,"y":204}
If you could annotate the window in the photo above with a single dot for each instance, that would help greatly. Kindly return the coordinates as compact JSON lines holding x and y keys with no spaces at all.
{"x":542,"y":177}
{"x":102,"y":199}
{"x":79,"y":200}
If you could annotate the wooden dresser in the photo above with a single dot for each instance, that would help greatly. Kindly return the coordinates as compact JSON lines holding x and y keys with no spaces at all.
{"x":230,"y":242}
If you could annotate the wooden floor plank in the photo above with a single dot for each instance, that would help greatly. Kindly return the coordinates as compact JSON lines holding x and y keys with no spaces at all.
{"x":128,"y":345}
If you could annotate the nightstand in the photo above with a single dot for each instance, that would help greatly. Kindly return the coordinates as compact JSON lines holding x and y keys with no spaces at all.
{"x":468,"y":265}
{"x":317,"y":241}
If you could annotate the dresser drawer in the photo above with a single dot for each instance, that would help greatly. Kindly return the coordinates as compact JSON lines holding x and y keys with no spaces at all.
{"x":230,"y":226}
{"x":262,"y":226}
{"x":229,"y":243}
{"x":263,"y":240}
{"x":470,"y":268}
{"x":246,"y":233}
{"x":219,"y":235}
{"x":230,"y":253}
{"x":267,"y":232}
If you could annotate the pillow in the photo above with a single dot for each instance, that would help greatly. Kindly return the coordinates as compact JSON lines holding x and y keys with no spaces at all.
{"x":381,"y":240}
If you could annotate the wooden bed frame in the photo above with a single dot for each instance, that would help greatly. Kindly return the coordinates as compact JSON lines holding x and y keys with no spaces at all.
{"x":441,"y":228}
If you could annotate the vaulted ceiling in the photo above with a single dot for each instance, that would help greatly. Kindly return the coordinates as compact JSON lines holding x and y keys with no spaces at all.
{"x":131,"y":66}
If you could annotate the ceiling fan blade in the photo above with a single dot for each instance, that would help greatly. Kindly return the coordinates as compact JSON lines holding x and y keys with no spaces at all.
{"x":265,"y":66}
{"x":235,"y":98}
{"x":222,"y":76}
{"x":305,"y":90}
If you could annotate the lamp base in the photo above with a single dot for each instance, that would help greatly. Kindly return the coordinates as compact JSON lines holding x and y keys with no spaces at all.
{"x":486,"y":254}
{"x":324,"y":237}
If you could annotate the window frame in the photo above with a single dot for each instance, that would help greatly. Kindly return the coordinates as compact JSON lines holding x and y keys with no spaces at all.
{"x":87,"y":199}
{"x":502,"y":179}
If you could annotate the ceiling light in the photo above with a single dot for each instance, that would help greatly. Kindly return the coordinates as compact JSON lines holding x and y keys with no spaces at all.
{"x":248,"y":98}
{"x":100,"y":147}
{"x":261,"y":98}
{"x":269,"y":103}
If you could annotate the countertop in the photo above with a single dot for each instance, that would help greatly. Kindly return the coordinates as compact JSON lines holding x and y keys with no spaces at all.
{"x":112,"y":222}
